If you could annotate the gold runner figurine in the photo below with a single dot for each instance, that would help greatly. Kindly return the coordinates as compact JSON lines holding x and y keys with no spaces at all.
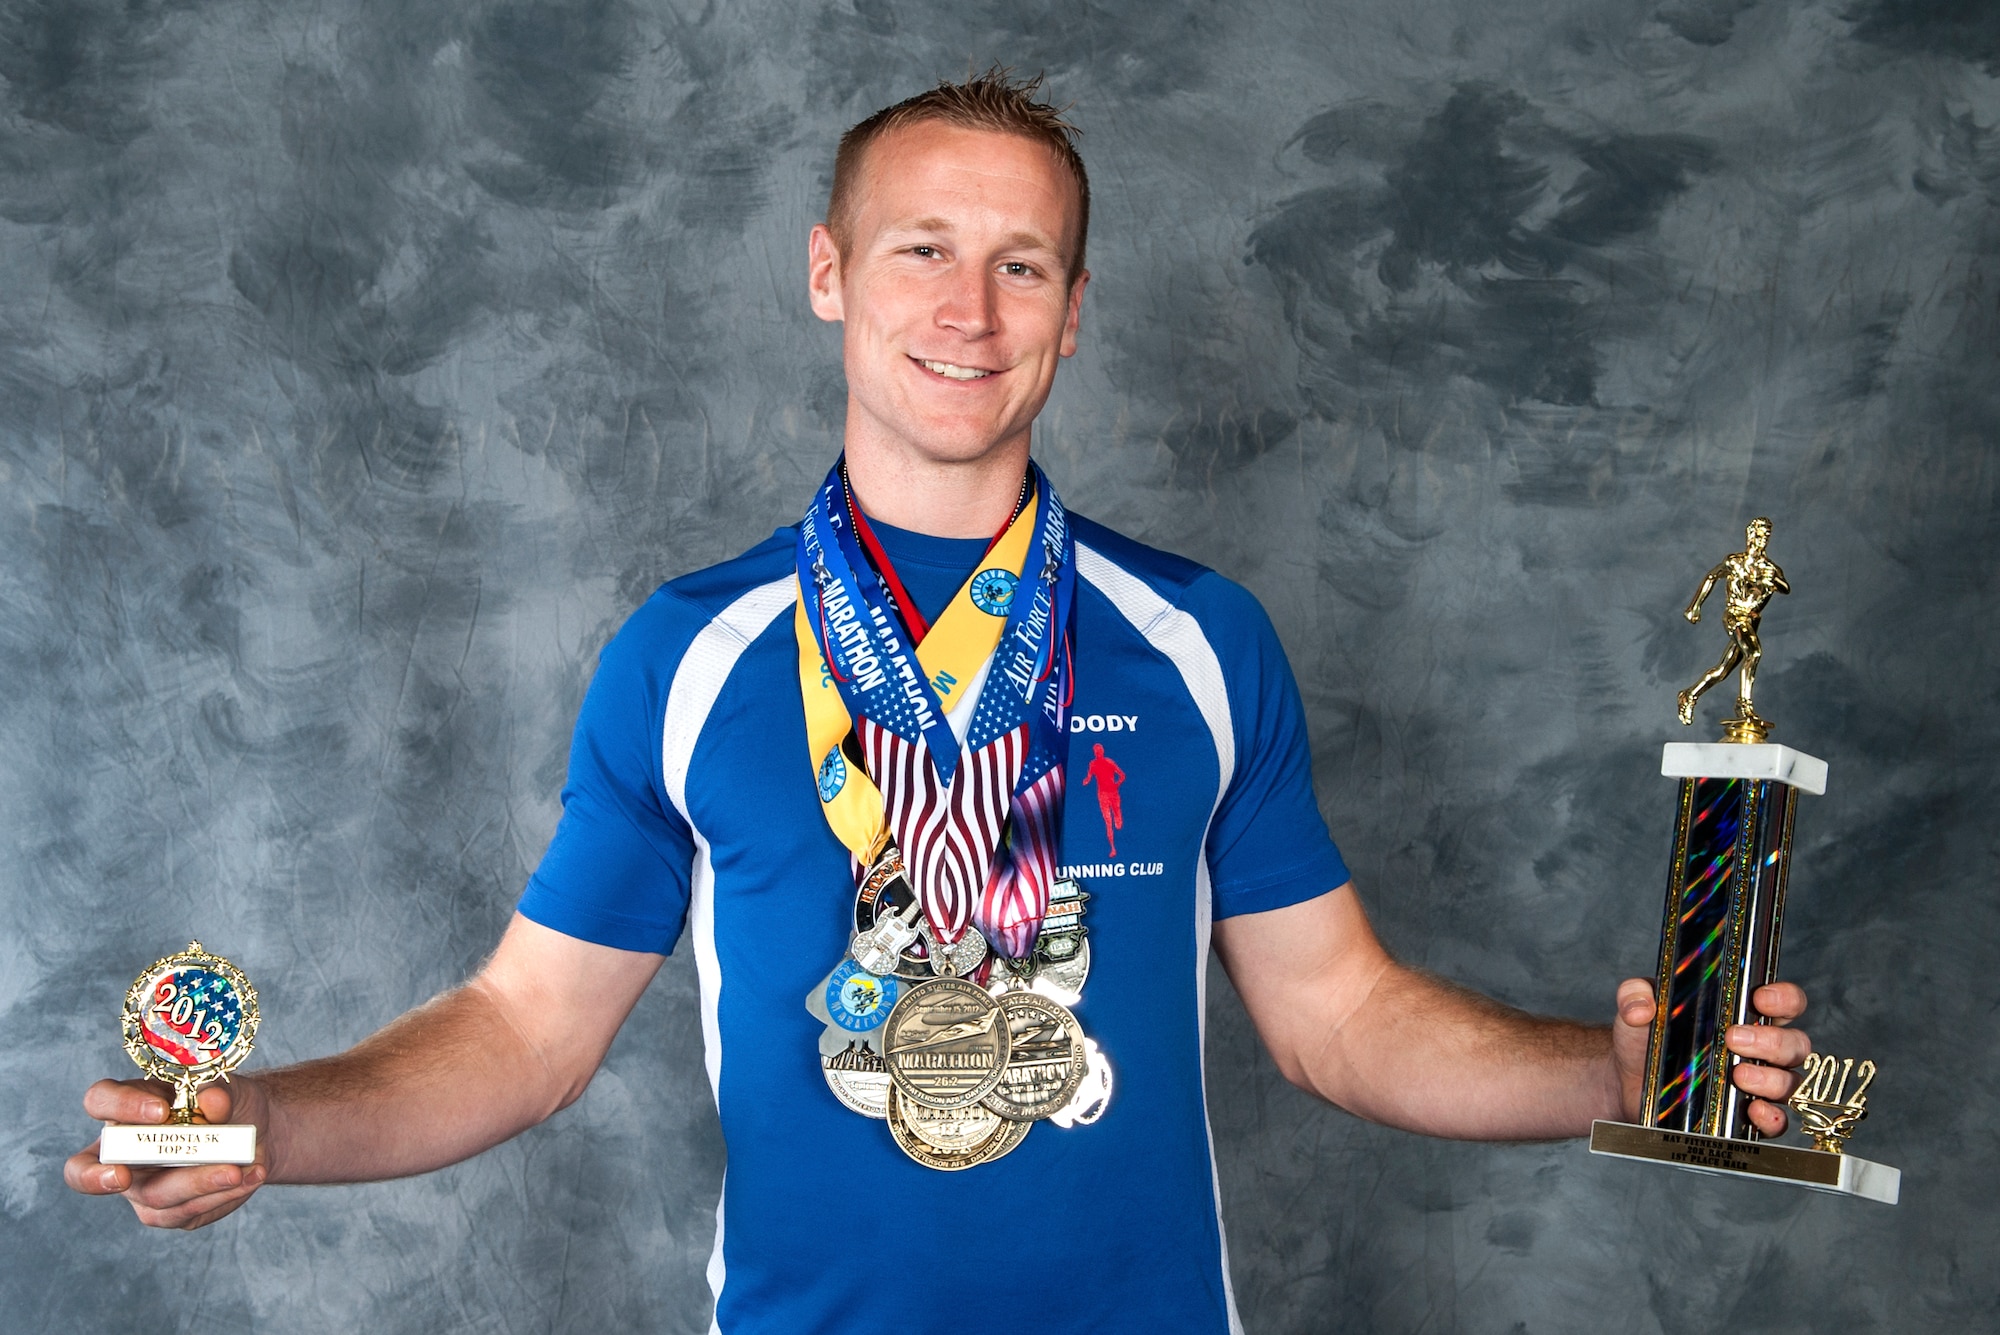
{"x":1751,"y":578}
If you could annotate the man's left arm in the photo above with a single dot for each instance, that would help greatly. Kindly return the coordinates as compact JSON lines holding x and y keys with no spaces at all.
{"x":1399,"y":1046}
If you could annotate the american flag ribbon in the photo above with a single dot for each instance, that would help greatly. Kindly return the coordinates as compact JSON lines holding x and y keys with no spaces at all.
{"x":949,"y":831}
{"x":1016,"y":896}
{"x":977,"y":821}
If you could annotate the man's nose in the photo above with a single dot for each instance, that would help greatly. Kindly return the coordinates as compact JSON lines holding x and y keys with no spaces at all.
{"x":966,"y":305}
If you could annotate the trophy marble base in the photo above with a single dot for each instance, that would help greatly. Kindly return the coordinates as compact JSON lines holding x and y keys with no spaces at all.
{"x":1841,"y":1174}
{"x":1741,"y":760}
{"x":157,"y":1145}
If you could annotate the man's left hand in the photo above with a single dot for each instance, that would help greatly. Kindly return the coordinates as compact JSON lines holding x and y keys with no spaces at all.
{"x":1775,"y":1051}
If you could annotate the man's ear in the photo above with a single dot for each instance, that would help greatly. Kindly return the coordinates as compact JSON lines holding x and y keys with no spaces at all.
{"x":1067,"y":347}
{"x":823,"y":274}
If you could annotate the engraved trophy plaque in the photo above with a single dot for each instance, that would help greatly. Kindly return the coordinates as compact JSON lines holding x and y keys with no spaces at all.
{"x":1719,"y":934}
{"x":189,"y":1020}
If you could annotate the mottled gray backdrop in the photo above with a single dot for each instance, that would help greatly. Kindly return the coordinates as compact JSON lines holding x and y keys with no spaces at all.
{"x":364,"y":363}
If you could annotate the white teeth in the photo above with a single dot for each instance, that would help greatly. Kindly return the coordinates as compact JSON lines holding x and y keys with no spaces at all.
{"x":950,"y":372}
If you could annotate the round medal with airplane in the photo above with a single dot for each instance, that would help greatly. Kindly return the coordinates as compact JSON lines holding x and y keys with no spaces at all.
{"x":858,"y":1000}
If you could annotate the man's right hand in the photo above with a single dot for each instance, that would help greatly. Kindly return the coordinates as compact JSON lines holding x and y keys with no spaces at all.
{"x":168,"y":1197}
{"x":455,"y":1076}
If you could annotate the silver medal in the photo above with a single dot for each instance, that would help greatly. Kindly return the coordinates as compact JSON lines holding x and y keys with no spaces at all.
{"x":855,"y":1072}
{"x":961,"y":958}
{"x":816,"y":1001}
{"x":1092,"y":1096}
{"x":1063,"y":932}
{"x":886,"y":890}
{"x":1047,"y":1058}
{"x":878,"y":949}
{"x":1062,"y":981}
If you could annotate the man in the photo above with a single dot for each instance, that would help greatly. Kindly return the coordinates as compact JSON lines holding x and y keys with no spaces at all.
{"x":952,"y":257}
{"x":1104,"y":772}
{"x":1751,"y":578}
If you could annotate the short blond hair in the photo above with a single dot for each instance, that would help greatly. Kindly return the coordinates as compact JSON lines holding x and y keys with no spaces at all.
{"x":996,"y":101}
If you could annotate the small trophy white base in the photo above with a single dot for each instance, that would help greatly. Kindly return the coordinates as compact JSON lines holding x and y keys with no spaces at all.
{"x":1841,"y":1174}
{"x":199,"y":1143}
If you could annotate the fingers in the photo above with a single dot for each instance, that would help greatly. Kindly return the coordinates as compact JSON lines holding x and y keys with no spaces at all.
{"x":157,"y":1188}
{"x":148,"y":1102}
{"x":1766,"y":1082}
{"x":1773,"y":1049}
{"x":1768,"y":1118}
{"x":1629,"y":1036}
{"x":207,"y":1217}
{"x":167,"y":1197}
{"x":1779,"y":1048}
{"x":140,"y":1102}
{"x":1635,"y":1002}
{"x":1780,"y":1002}
{"x":174,"y":1188}
{"x":200,"y":1196}
{"x":82,"y":1172}
{"x":215,"y":1102}
{"x":161,"y":1197}
{"x":1768,"y":1043}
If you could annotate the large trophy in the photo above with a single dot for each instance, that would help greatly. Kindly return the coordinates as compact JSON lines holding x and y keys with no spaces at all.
{"x":1719,"y":935}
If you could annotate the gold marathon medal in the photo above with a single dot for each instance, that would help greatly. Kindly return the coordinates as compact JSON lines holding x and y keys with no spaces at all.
{"x":949,"y":1130}
{"x":1046,"y":1058}
{"x":945,"y":1044}
{"x":1000,"y":1141}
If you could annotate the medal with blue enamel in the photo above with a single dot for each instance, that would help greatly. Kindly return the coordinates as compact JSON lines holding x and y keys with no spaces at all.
{"x":859,"y":1001}
{"x":993,"y":591}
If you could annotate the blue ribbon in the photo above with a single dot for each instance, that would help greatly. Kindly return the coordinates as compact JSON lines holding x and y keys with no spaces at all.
{"x":875,"y":665}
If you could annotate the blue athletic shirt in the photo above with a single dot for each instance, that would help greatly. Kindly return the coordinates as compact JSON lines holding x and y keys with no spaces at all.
{"x":690,"y":807}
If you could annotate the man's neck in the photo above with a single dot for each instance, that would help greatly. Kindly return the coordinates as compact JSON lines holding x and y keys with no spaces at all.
{"x":968,"y":499}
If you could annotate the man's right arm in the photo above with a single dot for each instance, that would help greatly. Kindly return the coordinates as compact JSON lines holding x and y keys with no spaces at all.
{"x":467,"y":1070}
{"x":1693,"y":610}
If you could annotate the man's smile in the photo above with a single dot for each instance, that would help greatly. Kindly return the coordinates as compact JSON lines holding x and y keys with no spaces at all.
{"x":951,"y":370}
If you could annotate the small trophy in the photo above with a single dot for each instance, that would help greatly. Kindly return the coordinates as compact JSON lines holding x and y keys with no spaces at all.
{"x":189,"y":1020}
{"x":1719,"y":934}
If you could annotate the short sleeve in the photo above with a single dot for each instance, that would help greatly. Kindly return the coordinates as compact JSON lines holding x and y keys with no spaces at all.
{"x":1268,"y":846}
{"x":617,"y":872}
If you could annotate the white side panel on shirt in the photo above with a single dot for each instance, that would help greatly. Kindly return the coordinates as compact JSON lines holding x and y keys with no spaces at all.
{"x":1179,"y":636}
{"x":697,"y":683}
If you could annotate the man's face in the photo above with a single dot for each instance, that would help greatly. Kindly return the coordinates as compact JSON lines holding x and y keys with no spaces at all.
{"x":951,"y":291}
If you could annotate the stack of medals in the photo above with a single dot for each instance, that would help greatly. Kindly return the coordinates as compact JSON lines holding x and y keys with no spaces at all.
{"x":938,"y":757}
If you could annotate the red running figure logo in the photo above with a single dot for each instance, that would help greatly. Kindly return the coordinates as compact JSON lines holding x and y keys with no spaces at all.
{"x":1104,"y":770}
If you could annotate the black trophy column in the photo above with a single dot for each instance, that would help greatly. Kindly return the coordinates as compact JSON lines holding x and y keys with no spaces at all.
{"x":1718,"y":944}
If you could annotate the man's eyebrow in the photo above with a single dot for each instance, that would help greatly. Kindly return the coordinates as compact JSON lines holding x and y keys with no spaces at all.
{"x":1013,"y":241}
{"x":1033,"y":241}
